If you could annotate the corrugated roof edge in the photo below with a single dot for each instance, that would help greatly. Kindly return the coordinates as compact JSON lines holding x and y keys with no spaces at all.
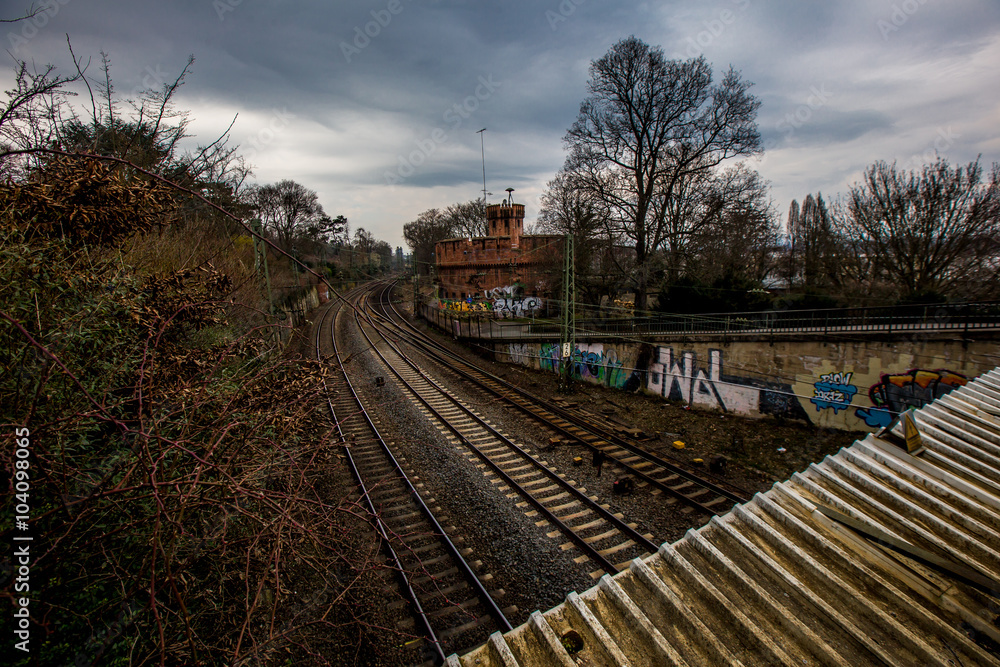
{"x":776,"y":581}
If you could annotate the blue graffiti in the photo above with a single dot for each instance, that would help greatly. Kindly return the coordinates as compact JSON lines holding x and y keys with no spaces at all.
{"x":834,"y":390}
{"x":874,"y":417}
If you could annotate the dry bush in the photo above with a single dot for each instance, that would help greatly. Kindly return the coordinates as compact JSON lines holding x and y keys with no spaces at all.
{"x":182,"y":504}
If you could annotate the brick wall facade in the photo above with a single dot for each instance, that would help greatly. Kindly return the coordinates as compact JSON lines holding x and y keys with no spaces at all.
{"x":471,"y":268}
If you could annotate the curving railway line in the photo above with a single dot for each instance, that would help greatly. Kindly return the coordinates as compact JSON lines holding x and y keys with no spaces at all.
{"x":452,"y":609}
{"x":695,"y":490}
{"x":587,"y":526}
{"x":450,"y":601}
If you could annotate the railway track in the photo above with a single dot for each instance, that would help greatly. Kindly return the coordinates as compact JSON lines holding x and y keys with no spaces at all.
{"x":695,"y":492}
{"x":599,"y":535}
{"x":452,"y":607}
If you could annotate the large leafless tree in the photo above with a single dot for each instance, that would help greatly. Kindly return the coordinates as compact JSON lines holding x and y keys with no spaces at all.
{"x":734,"y":227}
{"x":287,"y":210}
{"x":569,"y":209}
{"x":646,"y":127}
{"x":468,"y":218}
{"x":423,"y":234}
{"x":928,"y":232}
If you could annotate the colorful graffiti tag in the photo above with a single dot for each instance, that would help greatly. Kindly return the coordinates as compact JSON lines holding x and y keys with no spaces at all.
{"x":591,"y":363}
{"x":548,"y":357}
{"x":833,"y":390}
{"x":915,"y":388}
{"x":466,"y":306}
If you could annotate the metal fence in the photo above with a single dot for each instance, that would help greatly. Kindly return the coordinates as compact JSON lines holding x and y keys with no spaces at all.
{"x":957,"y":317}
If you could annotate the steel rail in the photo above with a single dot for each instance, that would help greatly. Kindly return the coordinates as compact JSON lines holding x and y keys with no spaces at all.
{"x":590,"y":427}
{"x":594,"y":506}
{"x":574,"y":421}
{"x":380,"y":526}
{"x":477,"y":586}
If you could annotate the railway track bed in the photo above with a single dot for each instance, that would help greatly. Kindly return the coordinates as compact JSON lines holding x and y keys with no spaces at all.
{"x":512,"y":556}
{"x":528,"y":524}
{"x":574,"y":517}
{"x":668,"y":499}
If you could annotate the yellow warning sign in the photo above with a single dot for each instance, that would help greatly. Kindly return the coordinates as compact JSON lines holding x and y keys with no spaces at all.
{"x":914,"y":445}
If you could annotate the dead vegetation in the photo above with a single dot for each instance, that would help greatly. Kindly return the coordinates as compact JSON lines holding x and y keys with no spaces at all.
{"x":182,"y":494}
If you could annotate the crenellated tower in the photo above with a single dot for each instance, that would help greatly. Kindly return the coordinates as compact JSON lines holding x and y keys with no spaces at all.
{"x":506,"y":219}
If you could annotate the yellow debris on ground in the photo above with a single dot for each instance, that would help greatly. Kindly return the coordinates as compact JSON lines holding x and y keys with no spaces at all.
{"x":678,"y":444}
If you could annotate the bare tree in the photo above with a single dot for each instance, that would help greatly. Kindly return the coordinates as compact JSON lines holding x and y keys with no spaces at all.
{"x":570,"y":209}
{"x":928,"y":232}
{"x":287,"y":210}
{"x":364,"y":242}
{"x":647,"y":125}
{"x":813,"y":247}
{"x":32,"y":115}
{"x":423,"y":234}
{"x":738,"y":227}
{"x":468,"y":218}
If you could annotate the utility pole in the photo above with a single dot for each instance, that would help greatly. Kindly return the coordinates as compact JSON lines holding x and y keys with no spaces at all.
{"x":260,"y":262}
{"x":568,"y":312}
{"x":416,"y":278}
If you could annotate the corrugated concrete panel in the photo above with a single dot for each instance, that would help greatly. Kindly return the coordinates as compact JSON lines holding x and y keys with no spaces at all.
{"x":779,"y":582}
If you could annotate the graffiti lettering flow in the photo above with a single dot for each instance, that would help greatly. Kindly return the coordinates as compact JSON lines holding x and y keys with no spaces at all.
{"x":833,"y":390}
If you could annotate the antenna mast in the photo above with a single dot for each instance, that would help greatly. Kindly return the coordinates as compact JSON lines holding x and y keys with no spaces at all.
{"x":482,"y":145}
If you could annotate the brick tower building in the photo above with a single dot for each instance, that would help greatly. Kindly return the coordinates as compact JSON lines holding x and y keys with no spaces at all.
{"x":504,"y":267}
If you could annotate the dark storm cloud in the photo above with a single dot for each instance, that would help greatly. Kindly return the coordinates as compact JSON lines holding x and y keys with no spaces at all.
{"x":376,"y":104}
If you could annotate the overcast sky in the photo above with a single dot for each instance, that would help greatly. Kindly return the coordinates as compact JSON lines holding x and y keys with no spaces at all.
{"x":375,"y":104}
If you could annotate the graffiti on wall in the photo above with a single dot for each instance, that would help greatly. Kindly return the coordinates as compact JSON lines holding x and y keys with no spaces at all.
{"x":678,"y":377}
{"x":507,"y":302}
{"x":833,"y":391}
{"x":591,"y":363}
{"x":548,"y":357}
{"x":833,"y":397}
{"x":466,"y":306}
{"x":897,"y":392}
{"x":520,"y":353}
{"x":511,"y":307}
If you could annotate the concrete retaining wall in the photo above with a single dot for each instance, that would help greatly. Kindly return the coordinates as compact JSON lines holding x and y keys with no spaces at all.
{"x":858,"y":385}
